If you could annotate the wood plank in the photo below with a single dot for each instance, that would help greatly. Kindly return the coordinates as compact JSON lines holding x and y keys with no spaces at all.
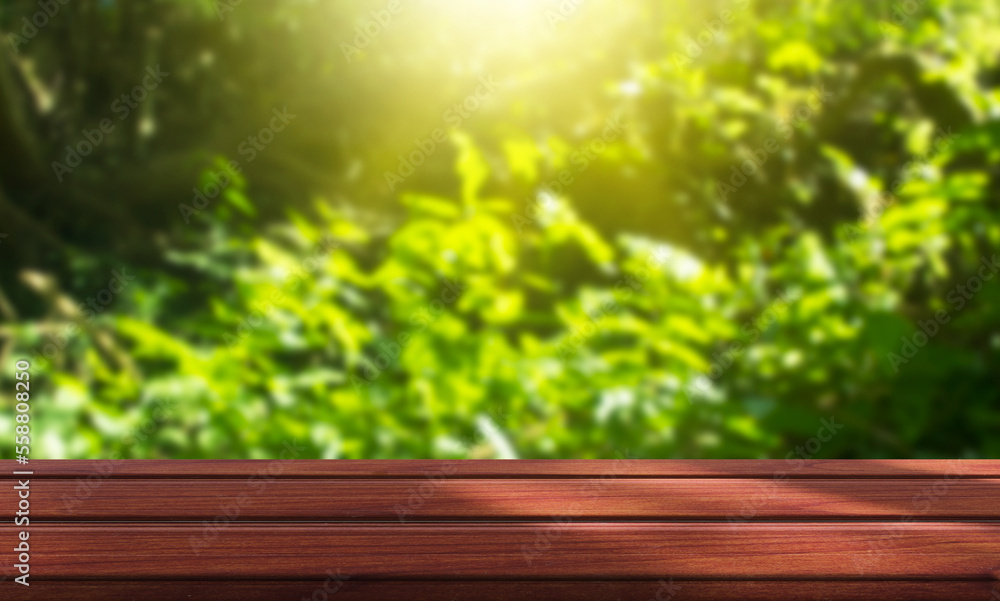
{"x":616,"y":551}
{"x":499,"y":499}
{"x":507,"y":591}
{"x":555,"y":468}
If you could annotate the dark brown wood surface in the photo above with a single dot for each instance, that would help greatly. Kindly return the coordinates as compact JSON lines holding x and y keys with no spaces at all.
{"x":586,"y":590}
{"x":526,"y":468}
{"x":464,"y":551}
{"x":731,"y":499}
{"x":517,"y":530}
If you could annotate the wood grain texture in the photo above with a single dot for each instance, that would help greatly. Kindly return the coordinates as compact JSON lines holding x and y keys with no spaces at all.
{"x":559,"y":468}
{"x":731,"y":499}
{"x":614,"y":530}
{"x":353,"y":590}
{"x":615,"y":551}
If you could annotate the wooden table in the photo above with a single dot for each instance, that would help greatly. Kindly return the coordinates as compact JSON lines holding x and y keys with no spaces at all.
{"x":615,"y":530}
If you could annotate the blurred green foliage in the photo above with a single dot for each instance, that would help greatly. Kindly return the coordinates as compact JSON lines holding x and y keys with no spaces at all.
{"x":796,"y":189}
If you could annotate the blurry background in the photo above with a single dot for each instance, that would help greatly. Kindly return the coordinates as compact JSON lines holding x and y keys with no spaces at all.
{"x":425,"y":228}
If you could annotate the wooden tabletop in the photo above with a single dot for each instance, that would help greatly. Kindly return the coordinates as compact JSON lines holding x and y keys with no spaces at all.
{"x":587,"y":529}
